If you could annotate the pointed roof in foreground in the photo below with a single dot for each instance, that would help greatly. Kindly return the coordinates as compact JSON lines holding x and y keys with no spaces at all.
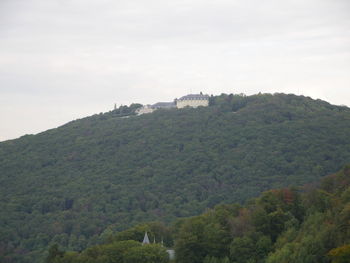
{"x":145,"y":239}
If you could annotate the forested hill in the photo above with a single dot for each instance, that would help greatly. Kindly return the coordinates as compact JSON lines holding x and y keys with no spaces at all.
{"x":67,"y":184}
{"x":294,"y":225}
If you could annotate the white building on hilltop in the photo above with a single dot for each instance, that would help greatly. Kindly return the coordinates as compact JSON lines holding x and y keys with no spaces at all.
{"x":144,"y":110}
{"x":151,"y":108}
{"x":193,"y":100}
{"x":164,"y":105}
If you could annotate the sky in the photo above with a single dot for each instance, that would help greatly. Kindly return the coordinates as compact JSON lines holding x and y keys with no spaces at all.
{"x":66,"y":59}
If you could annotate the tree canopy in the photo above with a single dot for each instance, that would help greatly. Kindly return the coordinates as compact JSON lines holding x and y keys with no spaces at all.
{"x":283,"y":225}
{"x":76,"y":184}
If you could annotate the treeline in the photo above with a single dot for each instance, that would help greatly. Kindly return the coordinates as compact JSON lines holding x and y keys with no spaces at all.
{"x":288,"y":225}
{"x":122,"y":247}
{"x":73,"y":184}
{"x":309,"y":225}
{"x":124,"y":110}
{"x":117,"y":252}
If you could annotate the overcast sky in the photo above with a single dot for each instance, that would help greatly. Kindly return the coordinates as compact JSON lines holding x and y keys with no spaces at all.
{"x":66,"y":59}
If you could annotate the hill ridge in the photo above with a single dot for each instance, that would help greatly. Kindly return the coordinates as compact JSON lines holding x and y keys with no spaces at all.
{"x":71,"y":182}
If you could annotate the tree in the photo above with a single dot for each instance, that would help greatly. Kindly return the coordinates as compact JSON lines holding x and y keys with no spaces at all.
{"x":242,"y":249}
{"x":55,"y":254}
{"x":340,"y":254}
{"x":151,"y":253}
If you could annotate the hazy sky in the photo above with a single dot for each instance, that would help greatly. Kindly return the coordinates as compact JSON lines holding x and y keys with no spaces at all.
{"x":66,"y":59}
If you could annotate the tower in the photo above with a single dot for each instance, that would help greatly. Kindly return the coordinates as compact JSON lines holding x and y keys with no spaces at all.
{"x":145,"y":239}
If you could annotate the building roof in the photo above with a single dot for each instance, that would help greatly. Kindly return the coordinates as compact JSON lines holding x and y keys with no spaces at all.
{"x":195,"y":97}
{"x":145,"y":239}
{"x":164,"y":105}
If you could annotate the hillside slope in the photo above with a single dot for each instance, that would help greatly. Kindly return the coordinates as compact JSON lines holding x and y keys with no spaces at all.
{"x":291,"y":225}
{"x":68,"y":184}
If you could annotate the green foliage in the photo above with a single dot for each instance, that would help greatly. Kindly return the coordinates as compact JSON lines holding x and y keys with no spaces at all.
{"x":201,"y":236}
{"x":272,"y":229}
{"x":54,"y":254}
{"x":146,"y":254}
{"x":326,"y":226}
{"x":117,"y":252}
{"x":113,"y":252}
{"x":123,"y":111}
{"x":209,"y":259}
{"x":117,"y":170}
{"x":279,"y":226}
{"x":157,"y":231}
{"x":340,"y":254}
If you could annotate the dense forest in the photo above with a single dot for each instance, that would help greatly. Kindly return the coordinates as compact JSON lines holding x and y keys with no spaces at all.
{"x":294,"y":225}
{"x":74,"y":185}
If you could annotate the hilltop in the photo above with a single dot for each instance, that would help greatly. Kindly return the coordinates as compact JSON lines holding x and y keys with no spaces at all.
{"x":66,"y":185}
